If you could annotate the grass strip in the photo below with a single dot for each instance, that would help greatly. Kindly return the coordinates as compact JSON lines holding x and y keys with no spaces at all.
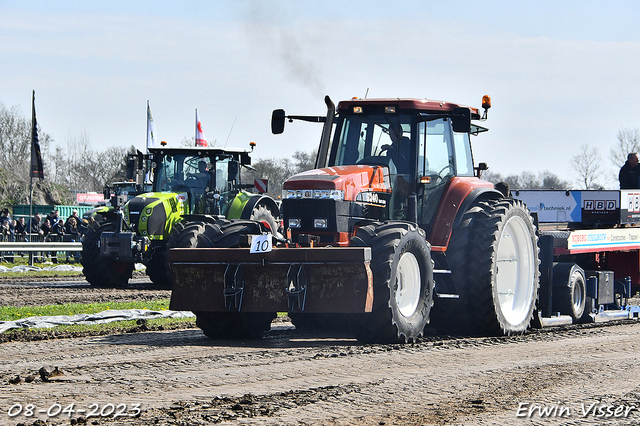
{"x":12,"y":313}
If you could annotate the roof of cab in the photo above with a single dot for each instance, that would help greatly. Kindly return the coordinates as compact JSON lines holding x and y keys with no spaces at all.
{"x":430,"y":105}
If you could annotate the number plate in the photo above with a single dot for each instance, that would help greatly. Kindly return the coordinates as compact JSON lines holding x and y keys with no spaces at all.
{"x":261,"y":243}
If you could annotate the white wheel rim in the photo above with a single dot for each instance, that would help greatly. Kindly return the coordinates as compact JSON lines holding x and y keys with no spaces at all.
{"x":515,"y":271}
{"x":577,"y":294}
{"x":407,"y":284}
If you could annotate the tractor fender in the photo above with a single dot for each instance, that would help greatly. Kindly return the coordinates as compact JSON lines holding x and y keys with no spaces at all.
{"x":256,"y":200}
{"x":244,"y":203}
{"x":459,"y":196}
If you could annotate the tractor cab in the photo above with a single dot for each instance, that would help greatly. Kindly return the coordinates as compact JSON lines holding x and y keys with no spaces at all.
{"x":206,"y":180}
{"x":411,"y":149}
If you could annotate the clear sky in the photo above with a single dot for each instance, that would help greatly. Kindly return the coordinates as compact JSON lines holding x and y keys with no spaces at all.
{"x":560,"y":73}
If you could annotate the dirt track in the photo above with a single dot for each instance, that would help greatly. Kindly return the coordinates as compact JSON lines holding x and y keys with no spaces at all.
{"x":180,"y":377}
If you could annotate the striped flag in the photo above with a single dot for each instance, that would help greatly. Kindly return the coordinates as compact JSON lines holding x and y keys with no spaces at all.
{"x":201,"y":140}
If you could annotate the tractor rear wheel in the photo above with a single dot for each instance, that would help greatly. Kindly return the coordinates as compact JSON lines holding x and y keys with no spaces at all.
{"x":496,"y":270}
{"x":98,"y":270}
{"x":184,"y":235}
{"x":231,"y":325}
{"x":402,"y":282}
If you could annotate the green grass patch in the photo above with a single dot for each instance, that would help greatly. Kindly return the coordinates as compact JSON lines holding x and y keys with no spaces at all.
{"x":43,"y":273}
{"x":12,"y":313}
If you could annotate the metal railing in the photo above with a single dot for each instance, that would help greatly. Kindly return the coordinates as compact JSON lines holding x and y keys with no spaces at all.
{"x":25,"y":246}
{"x":39,"y":247}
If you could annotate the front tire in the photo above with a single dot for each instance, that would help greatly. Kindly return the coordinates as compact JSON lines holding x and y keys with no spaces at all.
{"x":101,"y":271}
{"x":402,"y":282}
{"x":230,"y":325}
{"x":262,"y":213}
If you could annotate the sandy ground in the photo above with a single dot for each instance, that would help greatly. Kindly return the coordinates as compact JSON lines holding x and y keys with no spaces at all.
{"x":568,"y":375}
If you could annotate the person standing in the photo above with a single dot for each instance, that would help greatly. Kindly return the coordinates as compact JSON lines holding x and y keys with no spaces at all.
{"x":71,"y":230}
{"x":57,"y":233}
{"x":629,"y":175}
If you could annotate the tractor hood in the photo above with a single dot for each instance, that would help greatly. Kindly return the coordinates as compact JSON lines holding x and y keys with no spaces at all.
{"x":352,"y":180}
{"x":152,"y":214}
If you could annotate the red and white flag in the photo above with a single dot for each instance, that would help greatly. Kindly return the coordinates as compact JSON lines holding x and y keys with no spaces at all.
{"x":201,"y":140}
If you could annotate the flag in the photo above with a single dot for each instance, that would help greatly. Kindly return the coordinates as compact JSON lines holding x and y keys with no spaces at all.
{"x":36,"y":156}
{"x":201,"y":140}
{"x":152,"y":140}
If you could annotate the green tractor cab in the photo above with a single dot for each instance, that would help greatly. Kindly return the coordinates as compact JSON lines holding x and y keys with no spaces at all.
{"x":189,"y":185}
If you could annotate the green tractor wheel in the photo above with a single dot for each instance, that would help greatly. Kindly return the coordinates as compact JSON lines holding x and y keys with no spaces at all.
{"x":101,"y":271}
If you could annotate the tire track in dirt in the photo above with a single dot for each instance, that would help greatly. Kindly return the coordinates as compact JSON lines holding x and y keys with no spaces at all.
{"x":180,"y":377}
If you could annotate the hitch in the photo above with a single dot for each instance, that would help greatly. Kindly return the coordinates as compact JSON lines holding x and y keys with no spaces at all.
{"x":233,"y":287}
{"x":297,"y":288}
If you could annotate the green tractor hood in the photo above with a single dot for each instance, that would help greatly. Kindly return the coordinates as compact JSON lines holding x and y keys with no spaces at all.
{"x":153,"y":214}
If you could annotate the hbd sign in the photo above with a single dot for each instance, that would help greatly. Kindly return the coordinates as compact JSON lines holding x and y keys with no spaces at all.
{"x":600,"y":205}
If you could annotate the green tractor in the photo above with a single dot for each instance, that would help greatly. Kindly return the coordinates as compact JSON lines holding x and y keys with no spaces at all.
{"x":128,"y":188}
{"x":191,"y":186}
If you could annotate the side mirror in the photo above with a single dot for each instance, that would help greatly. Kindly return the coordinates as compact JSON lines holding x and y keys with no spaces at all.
{"x":481,"y":168}
{"x":277,"y":121}
{"x":233,"y":170}
{"x":131,"y":168}
{"x":106,"y":193}
{"x":461,"y":120}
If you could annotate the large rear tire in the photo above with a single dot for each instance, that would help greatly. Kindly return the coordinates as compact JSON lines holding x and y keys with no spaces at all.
{"x":183,"y":235}
{"x":102,"y":271}
{"x":231,"y":325}
{"x":496,"y":270}
{"x":402,"y":282}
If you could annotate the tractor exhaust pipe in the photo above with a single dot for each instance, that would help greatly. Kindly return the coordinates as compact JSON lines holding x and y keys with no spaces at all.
{"x":323,"y":150}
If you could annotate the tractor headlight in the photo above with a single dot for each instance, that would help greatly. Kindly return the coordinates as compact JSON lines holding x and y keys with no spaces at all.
{"x":332,"y":194}
{"x":295,"y":223}
{"x":286,"y":193}
{"x":320,"y":223}
{"x":319,"y":194}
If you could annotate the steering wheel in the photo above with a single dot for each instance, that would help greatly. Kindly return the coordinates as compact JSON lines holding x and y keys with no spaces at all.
{"x":449,"y":168}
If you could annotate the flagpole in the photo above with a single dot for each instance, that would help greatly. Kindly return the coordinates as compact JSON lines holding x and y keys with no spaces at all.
{"x":33,"y":117}
{"x":148,"y":124}
{"x":196,"y":136}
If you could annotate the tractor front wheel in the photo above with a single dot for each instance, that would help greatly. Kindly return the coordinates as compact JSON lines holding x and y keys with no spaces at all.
{"x":230,"y":325}
{"x":402,"y":282}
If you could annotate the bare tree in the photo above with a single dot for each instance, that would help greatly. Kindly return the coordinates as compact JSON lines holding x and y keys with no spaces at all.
{"x":528,"y":180}
{"x":304,"y":160}
{"x":587,"y":165}
{"x":552,"y":181}
{"x":628,"y":141}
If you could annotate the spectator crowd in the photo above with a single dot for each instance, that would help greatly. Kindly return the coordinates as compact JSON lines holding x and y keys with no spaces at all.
{"x":50,"y":228}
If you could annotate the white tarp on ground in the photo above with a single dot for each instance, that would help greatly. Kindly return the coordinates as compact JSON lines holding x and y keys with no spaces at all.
{"x":27,"y":268}
{"x":98,"y":318}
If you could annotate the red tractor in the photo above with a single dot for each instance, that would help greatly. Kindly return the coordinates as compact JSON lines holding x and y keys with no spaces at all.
{"x":393,"y":230}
